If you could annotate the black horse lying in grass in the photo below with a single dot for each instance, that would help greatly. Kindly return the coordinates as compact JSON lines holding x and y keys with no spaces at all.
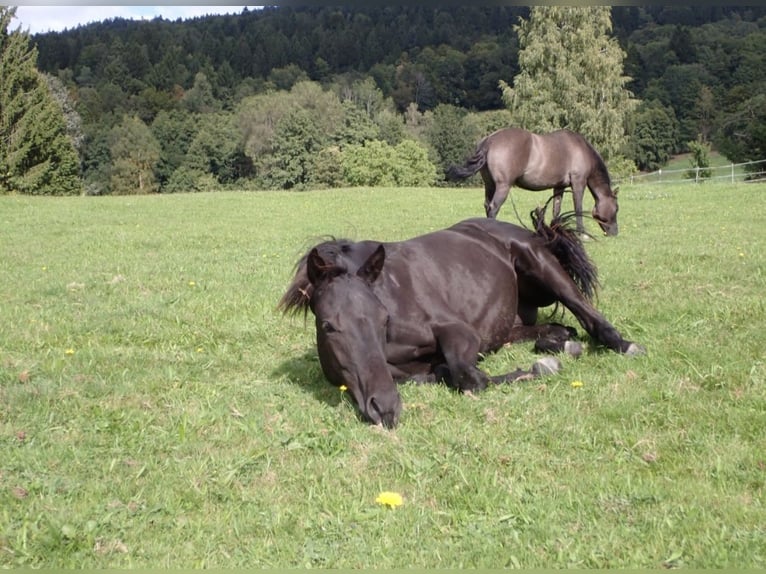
{"x":424,"y":309}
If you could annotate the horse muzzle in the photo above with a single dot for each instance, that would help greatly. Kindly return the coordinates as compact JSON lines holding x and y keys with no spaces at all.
{"x":609,"y":230}
{"x":383,"y":408}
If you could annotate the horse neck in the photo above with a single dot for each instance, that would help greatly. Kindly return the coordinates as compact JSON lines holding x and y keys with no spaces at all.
{"x":598,"y":182}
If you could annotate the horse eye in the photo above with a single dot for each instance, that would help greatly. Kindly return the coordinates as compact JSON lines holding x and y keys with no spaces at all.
{"x":328,"y":327}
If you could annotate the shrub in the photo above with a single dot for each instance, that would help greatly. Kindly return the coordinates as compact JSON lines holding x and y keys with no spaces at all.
{"x":376,"y":163}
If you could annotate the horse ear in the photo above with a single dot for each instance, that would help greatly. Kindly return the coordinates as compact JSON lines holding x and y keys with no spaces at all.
{"x":371,"y":268}
{"x":316,"y":266}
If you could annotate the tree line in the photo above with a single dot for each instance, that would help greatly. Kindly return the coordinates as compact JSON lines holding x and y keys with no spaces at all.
{"x":289,"y":98}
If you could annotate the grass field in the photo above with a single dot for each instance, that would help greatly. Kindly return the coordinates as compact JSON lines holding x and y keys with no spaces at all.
{"x":155,"y":409}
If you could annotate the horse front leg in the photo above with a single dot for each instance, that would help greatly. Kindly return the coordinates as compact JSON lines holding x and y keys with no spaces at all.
{"x":460,"y":344}
{"x":558,"y":194}
{"x":542,"y":268}
{"x":577,"y":194}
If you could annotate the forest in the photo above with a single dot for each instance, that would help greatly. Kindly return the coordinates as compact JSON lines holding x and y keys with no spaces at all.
{"x":292,"y":98}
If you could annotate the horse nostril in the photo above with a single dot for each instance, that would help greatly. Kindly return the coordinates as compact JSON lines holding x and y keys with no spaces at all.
{"x":374,"y":408}
{"x":379,"y":413}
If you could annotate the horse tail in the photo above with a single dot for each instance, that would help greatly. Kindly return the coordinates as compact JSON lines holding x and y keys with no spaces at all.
{"x":562,"y":239}
{"x":477,"y":161}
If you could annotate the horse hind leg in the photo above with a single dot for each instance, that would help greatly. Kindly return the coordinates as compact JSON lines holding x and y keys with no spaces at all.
{"x":550,"y":338}
{"x":495,"y":193}
{"x":556,"y":343}
{"x":548,"y":365}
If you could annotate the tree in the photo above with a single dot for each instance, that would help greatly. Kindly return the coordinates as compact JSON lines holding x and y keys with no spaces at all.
{"x":656,"y":135}
{"x":356,"y":126}
{"x":449,"y":137}
{"x":699,"y":160}
{"x":199,"y":98}
{"x":37,"y":156}
{"x":135,"y":154}
{"x":297,"y":140}
{"x":680,"y":87}
{"x":175,"y":131}
{"x":217,"y":148}
{"x":741,"y":136}
{"x":571,"y":76}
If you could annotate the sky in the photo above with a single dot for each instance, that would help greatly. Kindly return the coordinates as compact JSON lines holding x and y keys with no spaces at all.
{"x":36,"y":19}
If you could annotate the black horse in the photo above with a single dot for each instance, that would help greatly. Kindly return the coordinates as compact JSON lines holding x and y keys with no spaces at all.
{"x":424,"y":309}
{"x":557,"y":160}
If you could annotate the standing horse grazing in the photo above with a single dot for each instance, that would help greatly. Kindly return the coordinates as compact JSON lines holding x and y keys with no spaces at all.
{"x":557,"y":160}
{"x":424,"y":309}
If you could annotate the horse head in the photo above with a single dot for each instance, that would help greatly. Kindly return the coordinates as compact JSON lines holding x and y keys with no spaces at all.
{"x":605,"y":210}
{"x":351,"y":327}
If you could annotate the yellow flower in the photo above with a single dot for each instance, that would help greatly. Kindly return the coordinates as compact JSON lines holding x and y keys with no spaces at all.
{"x":343,"y":388}
{"x":390,"y":499}
{"x":192,"y":283}
{"x":69,"y":352}
{"x":576,"y":384}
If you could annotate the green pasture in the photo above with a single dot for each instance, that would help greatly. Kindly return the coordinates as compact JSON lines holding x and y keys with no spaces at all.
{"x":156,"y":410}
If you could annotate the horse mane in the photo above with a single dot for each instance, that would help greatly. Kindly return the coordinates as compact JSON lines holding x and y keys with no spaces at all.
{"x":600,"y":173}
{"x":297,"y":297}
{"x":562,"y":239}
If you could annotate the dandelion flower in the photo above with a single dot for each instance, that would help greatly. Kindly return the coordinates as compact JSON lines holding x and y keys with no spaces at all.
{"x":192,"y":283}
{"x":576,"y":384}
{"x":343,"y":388}
{"x":69,"y":352}
{"x":390,"y":499}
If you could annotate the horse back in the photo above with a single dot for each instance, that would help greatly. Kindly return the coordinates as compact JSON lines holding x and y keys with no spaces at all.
{"x":449,"y":276}
{"x":539,"y":161}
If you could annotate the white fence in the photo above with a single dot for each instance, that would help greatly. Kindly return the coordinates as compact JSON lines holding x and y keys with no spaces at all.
{"x":751,"y":171}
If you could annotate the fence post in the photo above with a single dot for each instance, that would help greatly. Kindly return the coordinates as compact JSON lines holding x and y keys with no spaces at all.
{"x":732,"y":173}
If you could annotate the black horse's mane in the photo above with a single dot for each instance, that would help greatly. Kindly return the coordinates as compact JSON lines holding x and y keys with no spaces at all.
{"x":562,"y":239}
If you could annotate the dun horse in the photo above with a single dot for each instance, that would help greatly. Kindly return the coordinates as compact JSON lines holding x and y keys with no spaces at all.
{"x":556,"y":160}
{"x":425,"y":309}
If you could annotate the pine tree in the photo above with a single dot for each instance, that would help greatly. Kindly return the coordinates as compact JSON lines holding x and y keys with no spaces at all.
{"x":37,"y":156}
{"x":571,"y":76}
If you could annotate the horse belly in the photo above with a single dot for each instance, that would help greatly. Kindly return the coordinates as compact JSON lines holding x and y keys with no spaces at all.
{"x":543,"y":172}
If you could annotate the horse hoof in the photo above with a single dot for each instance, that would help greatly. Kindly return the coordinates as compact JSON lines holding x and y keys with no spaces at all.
{"x":573,"y":348}
{"x":546,"y":366}
{"x":635,"y":350}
